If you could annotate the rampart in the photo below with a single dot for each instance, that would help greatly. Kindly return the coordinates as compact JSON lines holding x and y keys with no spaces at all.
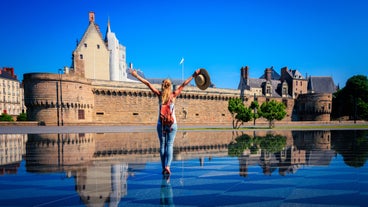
{"x":314,"y":107}
{"x":66,"y":99}
{"x":72,"y":100}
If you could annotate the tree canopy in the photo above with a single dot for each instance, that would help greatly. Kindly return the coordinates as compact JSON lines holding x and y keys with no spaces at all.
{"x":352,"y":100}
{"x":273,"y":110}
{"x":239,"y":112}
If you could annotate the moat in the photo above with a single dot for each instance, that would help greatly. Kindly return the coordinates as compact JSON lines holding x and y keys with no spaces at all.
{"x":210,"y":168}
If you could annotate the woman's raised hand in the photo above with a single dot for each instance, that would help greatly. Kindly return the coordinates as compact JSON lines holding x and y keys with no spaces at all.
{"x":196,"y":73}
{"x":133,"y":72}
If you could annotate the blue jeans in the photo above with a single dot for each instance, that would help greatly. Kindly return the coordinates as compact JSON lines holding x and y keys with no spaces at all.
{"x":166,"y":137}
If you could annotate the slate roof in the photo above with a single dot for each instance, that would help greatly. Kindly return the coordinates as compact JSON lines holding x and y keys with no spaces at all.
{"x":258,"y":83}
{"x":159,"y":81}
{"x":321,"y":84}
{"x":274,"y":75}
{"x":296,"y":74}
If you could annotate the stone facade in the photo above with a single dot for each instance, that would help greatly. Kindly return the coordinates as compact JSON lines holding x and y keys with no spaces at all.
{"x":316,"y":107}
{"x":67,"y":99}
{"x":91,"y":58}
{"x":11,"y":93}
{"x":55,"y":99}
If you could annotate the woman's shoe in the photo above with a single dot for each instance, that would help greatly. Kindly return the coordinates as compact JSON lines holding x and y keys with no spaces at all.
{"x":167,"y":171}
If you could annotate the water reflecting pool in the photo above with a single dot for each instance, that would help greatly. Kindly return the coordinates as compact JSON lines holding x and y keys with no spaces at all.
{"x":210,"y":168}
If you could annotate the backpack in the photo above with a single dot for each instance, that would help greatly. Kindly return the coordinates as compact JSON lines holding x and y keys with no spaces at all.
{"x":166,"y":116}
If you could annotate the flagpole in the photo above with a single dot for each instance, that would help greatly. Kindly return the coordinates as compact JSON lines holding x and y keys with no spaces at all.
{"x":182,"y":72}
{"x":182,"y":68}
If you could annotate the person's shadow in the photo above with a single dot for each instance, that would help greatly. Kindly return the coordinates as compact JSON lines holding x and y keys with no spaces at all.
{"x":166,"y":193}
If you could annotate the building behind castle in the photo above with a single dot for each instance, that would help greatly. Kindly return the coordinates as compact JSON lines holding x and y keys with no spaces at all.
{"x":97,"y":89}
{"x":11,"y":93}
{"x":98,"y":58}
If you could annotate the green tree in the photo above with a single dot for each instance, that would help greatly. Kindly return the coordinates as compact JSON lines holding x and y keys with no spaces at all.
{"x":352,"y":100}
{"x":239,"y":112}
{"x":244,"y":115}
{"x":272,"y":110}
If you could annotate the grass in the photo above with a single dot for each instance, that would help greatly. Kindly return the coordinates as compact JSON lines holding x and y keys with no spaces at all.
{"x":286,"y":127}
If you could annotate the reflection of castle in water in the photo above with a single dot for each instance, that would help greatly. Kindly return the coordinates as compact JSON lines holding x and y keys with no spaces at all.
{"x":101,"y":163}
{"x":302,"y":148}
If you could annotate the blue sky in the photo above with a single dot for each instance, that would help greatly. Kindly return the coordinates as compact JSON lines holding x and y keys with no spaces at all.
{"x":315,"y":37}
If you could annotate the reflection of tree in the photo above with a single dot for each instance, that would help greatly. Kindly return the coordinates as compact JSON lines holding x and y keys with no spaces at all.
{"x":237,"y":147}
{"x":352,"y":145}
{"x":246,"y":148}
{"x":273,"y":143}
{"x":270,"y":143}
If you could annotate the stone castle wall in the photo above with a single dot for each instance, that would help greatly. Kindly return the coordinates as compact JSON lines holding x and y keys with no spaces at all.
{"x":42,"y":96}
{"x":84,"y":101}
{"x":314,"y":107}
{"x":134,"y":103}
{"x":110,"y":102}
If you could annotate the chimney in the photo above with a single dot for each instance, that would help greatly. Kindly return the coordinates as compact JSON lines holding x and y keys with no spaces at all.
{"x":284,"y":72}
{"x":91,"y":17}
{"x":244,"y":75}
{"x":268,"y":74}
{"x":244,"y":71}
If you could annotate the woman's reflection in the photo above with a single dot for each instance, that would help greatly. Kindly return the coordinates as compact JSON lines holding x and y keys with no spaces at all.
{"x":166,"y":193}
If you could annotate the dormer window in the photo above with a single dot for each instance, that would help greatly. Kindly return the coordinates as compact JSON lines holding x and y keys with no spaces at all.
{"x":268,"y":89}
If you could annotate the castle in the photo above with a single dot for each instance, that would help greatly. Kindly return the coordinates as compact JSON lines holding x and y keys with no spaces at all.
{"x":97,"y":89}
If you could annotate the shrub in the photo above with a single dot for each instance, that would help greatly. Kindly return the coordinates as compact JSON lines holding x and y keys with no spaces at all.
{"x":22,"y":117}
{"x":6,"y":117}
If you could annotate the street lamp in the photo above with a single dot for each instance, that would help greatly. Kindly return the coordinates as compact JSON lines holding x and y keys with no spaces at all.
{"x":255,"y":109}
{"x":61,"y":96}
{"x":57,"y":103}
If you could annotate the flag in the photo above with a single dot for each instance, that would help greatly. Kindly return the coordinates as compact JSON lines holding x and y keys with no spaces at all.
{"x":181,"y":61}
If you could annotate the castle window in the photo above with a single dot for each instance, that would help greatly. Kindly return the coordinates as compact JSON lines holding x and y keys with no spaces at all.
{"x":268,"y":90}
{"x":98,"y":46}
{"x":284,"y":91}
{"x":85,"y":44}
{"x":81,"y":56}
{"x":80,"y":114}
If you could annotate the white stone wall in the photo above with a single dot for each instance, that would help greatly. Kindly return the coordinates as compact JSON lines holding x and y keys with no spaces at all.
{"x":11,"y":96}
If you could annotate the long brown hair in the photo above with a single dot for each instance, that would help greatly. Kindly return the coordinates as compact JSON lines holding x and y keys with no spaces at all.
{"x":166,"y":90}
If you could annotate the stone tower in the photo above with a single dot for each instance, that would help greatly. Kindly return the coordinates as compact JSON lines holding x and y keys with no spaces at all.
{"x":91,"y":57}
{"x":118,"y":66}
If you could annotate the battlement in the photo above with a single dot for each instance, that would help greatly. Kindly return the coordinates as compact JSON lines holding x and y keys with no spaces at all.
{"x":72,"y":100}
